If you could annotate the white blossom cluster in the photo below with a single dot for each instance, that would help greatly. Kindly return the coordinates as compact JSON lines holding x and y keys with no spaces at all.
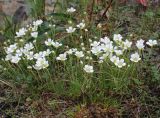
{"x":16,"y":54}
{"x":32,"y":28}
{"x":106,"y":49}
{"x":71,"y":29}
{"x":114,"y":50}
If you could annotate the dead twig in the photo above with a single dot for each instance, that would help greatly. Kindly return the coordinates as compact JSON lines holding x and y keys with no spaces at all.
{"x":92,"y":7}
{"x":6,"y":83}
{"x":107,"y":8}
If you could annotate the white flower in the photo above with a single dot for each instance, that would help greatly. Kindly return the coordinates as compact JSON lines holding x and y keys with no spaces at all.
{"x":15,"y":59}
{"x":107,"y":47}
{"x":34,"y":29}
{"x":19,"y":52}
{"x":135,"y":57}
{"x":86,"y":30}
{"x":70,"y":22}
{"x":38,"y":22}
{"x":49,"y":42}
{"x":83,"y":48}
{"x":8,"y":57}
{"x":151,"y":42}
{"x":90,"y":40}
{"x":118,"y":52}
{"x":127,"y":44}
{"x":74,"y":49}
{"x":120,"y":63}
{"x":104,"y":56}
{"x":99,"y":25}
{"x":39,"y":55}
{"x":34,"y":34}
{"x":30,"y":55}
{"x":95,"y":44}
{"x":81,"y":62}
{"x":114,"y":59}
{"x":11,"y":48}
{"x":95,"y":37}
{"x":21,"y":32}
{"x":47,"y":52}
{"x":71,"y":10}
{"x":34,"y":41}
{"x":70,"y":51}
{"x":87,"y":57}
{"x":41,"y":63}
{"x":56,"y":44}
{"x":89,"y":52}
{"x":106,"y":40}
{"x":96,"y":50}
{"x":28,"y":46}
{"x":81,"y":25}
{"x":70,"y":30}
{"x":140,"y":44}
{"x":88,"y":69}
{"x":62,"y":57}
{"x":79,"y":54}
{"x":100,"y":61}
{"x":117,"y":38}
{"x":29,"y":67}
{"x":81,"y":37}
{"x":21,"y":40}
{"x":24,"y":51}
{"x":82,"y":44}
